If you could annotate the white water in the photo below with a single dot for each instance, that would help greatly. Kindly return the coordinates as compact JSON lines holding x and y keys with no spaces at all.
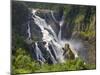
{"x":51,"y":56}
{"x":53,"y":17}
{"x":47,"y":37}
{"x":29,"y":40}
{"x":51,"y":39}
{"x":60,"y":24}
{"x":39,"y":55}
{"x":72,"y":43}
{"x":53,"y":33}
{"x":29,"y":32}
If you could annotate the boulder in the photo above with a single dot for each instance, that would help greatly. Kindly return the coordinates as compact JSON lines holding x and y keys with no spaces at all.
{"x":68,"y":54}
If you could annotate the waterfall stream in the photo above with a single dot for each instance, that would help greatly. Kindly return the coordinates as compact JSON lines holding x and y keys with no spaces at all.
{"x":51,"y":39}
{"x":29,"y":32}
{"x":60,"y":24}
{"x":53,"y":16}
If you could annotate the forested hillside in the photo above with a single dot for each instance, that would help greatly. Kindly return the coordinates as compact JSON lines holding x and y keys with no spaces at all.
{"x":74,"y":23}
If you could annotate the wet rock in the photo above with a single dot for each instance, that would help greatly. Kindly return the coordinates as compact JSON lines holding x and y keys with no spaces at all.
{"x":68,"y":54}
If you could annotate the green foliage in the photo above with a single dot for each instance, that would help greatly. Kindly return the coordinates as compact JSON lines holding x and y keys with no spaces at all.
{"x":23,"y":63}
{"x":79,"y":19}
{"x":40,"y":5}
{"x":87,"y":34}
{"x":82,"y":17}
{"x":18,"y":42}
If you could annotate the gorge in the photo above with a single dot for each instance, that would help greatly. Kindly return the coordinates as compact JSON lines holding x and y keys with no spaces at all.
{"x":53,"y":34}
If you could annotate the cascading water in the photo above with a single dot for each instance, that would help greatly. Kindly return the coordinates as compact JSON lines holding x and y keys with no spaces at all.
{"x":53,"y":16}
{"x":60,"y":24}
{"x":39,"y":55}
{"x":38,"y":52}
{"x":29,"y":40}
{"x":62,"y":42}
{"x":51,"y":56}
{"x":29,"y":33}
{"x":50,"y":38}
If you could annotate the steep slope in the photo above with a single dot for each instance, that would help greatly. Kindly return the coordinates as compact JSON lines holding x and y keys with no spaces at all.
{"x":49,"y":37}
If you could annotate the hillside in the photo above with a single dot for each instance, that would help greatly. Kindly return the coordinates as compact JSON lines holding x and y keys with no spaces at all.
{"x":40,"y":32}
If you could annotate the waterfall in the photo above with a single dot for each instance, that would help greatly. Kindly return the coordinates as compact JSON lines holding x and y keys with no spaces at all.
{"x":58,"y":51}
{"x":29,"y":40}
{"x":53,"y":16}
{"x":39,"y":55}
{"x":53,"y":42}
{"x":51,"y":56}
{"x":49,"y":39}
{"x":53,"y":33}
{"x":43,"y":26}
{"x":60,"y":24}
{"x":29,"y":32}
{"x":62,"y":42}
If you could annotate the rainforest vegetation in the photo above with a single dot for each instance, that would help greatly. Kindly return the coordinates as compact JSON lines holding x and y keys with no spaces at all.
{"x":81,"y":20}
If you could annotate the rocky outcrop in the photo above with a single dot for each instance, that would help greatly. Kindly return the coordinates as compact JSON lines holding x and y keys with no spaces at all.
{"x":68,"y":52}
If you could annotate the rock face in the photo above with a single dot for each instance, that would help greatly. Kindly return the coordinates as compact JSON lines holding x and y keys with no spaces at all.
{"x":68,"y":52}
{"x":47,"y":31}
{"x":51,"y":18}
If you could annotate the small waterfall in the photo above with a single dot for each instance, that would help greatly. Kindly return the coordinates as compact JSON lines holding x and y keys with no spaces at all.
{"x":58,"y":51}
{"x":64,"y":41}
{"x":29,"y":40}
{"x":53,"y":16}
{"x":60,"y":24}
{"x":39,"y":55}
{"x":53,"y":33}
{"x":51,"y":56}
{"x":29,"y":32}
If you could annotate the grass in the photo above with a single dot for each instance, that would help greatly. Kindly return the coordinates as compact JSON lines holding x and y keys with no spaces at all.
{"x":23,"y":63}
